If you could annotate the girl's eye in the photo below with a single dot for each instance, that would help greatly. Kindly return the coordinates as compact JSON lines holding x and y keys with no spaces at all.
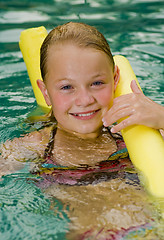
{"x":97,"y":83}
{"x":66,"y":87}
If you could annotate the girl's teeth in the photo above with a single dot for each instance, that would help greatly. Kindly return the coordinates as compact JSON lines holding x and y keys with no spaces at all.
{"x":87,"y":114}
{"x":84,"y":115}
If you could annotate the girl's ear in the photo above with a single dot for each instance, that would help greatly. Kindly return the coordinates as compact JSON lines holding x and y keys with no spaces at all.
{"x":116,"y":76}
{"x":43,"y":89}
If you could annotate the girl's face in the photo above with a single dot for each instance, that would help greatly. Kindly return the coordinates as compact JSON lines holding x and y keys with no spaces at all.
{"x":80,"y":87}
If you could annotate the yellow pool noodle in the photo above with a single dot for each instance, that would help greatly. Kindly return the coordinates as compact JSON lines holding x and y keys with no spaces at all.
{"x":145,"y":145}
{"x":30,"y":42}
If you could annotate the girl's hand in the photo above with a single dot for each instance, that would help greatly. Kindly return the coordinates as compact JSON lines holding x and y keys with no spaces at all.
{"x":138,"y":109}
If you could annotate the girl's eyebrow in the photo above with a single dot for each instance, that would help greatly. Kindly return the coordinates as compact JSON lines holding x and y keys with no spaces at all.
{"x":99,"y":75}
{"x":63,"y":79}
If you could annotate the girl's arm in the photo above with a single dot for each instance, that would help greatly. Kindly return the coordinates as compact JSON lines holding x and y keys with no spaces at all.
{"x":15,"y":153}
{"x":138,"y":109}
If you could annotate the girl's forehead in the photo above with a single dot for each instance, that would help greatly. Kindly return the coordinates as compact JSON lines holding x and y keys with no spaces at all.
{"x":69,"y":49}
{"x":71,"y":61}
{"x":66,"y":46}
{"x":75,"y":63}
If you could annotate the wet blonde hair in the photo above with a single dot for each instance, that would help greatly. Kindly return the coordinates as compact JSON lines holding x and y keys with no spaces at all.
{"x":79,"y":34}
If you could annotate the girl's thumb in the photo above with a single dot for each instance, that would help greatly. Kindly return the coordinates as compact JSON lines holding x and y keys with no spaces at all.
{"x":135,"y":88}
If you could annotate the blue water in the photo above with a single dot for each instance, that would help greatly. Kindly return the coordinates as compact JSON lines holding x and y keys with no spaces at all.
{"x":25,"y":212}
{"x":133,"y":28}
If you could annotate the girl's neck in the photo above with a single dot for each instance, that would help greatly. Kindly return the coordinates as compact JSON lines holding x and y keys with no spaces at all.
{"x":70,"y":149}
{"x":92,"y":135}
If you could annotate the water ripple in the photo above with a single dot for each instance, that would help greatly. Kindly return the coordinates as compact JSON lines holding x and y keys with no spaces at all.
{"x":25,"y":211}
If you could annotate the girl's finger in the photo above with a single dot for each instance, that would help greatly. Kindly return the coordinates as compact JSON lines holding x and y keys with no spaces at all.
{"x":111,"y":117}
{"x":135,"y":88}
{"x":123,"y":124}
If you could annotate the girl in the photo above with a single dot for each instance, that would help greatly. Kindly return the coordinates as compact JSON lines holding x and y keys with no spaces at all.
{"x":79,"y":153}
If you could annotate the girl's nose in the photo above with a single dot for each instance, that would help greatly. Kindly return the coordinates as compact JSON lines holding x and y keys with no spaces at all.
{"x":84,"y":98}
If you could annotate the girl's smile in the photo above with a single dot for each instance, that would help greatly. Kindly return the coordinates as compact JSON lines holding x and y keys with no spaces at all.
{"x":85,"y":115}
{"x":79,"y":85}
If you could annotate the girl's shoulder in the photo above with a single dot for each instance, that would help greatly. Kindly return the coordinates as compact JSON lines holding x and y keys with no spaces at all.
{"x":26,"y":146}
{"x":40,"y":136}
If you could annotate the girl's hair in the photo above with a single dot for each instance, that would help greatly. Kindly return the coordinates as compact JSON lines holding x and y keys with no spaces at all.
{"x":79,"y":34}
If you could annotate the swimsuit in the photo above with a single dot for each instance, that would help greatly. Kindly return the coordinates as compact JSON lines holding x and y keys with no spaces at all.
{"x":117,"y":164}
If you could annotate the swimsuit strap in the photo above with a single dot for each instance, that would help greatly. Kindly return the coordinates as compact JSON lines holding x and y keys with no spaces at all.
{"x":50,"y":145}
{"x":116,"y":136}
{"x":123,"y":153}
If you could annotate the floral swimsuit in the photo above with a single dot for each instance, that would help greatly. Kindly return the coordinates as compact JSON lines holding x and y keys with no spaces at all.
{"x":117,"y":164}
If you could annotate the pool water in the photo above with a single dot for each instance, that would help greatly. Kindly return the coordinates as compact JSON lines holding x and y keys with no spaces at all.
{"x":133,"y":28}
